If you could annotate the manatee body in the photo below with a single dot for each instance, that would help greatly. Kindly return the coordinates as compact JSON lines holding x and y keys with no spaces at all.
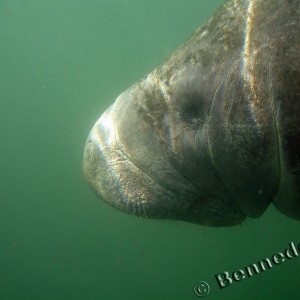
{"x":213,"y":135}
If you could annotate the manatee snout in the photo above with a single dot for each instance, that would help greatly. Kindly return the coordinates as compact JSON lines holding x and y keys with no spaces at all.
{"x":128,"y":162}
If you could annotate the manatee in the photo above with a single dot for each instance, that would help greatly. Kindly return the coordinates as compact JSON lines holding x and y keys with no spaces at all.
{"x":212,"y":136}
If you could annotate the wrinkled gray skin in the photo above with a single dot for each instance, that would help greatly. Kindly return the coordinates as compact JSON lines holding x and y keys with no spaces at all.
{"x":213,"y":135}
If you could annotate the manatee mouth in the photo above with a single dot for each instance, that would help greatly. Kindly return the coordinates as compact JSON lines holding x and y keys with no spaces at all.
{"x":125,"y":165}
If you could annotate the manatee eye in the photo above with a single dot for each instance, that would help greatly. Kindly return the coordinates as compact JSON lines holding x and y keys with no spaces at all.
{"x":192,"y":110}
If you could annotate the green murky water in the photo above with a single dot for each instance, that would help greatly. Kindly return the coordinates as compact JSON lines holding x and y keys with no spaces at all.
{"x":62,"y":63}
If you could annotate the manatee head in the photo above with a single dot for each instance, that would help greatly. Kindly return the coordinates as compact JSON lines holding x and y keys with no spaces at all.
{"x":200,"y":139}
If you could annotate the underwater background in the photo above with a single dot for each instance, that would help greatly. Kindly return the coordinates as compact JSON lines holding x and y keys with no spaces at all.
{"x":62,"y":63}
